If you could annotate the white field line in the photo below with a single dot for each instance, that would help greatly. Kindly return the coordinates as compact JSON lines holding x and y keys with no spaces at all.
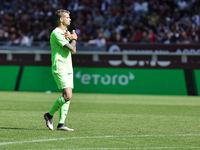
{"x":98,"y":137}
{"x":141,"y":148}
{"x":134,"y":148}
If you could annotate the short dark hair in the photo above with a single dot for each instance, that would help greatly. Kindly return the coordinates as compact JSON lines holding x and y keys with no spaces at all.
{"x":59,"y":13}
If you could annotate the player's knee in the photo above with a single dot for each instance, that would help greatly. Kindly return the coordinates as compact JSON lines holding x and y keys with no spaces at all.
{"x":67,"y":97}
{"x":67,"y":94}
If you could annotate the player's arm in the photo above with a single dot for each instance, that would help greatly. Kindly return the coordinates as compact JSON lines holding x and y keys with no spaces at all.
{"x":71,"y":46}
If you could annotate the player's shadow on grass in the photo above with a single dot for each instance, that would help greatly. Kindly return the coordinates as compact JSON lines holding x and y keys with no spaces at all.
{"x":9,"y":128}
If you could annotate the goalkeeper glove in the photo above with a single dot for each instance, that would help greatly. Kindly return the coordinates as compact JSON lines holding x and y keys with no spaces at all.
{"x":67,"y":35}
{"x":74,"y":35}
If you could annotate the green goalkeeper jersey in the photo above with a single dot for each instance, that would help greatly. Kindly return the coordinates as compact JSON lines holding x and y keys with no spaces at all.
{"x":60,"y":56}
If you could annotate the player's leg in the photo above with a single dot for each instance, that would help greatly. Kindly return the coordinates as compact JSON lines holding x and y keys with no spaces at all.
{"x":67,"y":94}
{"x":58,"y":104}
{"x":63,"y":112}
{"x":49,"y":116}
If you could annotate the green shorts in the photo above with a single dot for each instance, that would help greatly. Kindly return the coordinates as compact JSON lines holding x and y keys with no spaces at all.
{"x":64,"y":80}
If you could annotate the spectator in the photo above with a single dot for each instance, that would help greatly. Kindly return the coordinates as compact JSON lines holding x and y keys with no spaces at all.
{"x":152,"y":36}
{"x":104,"y":6}
{"x":107,"y":32}
{"x":24,"y":24}
{"x":182,"y":4}
{"x":118,"y":38}
{"x":195,"y":36}
{"x":99,"y":41}
{"x":120,"y":27}
{"x":160,"y":36}
{"x":99,"y":18}
{"x":166,"y":38}
{"x":138,"y":9}
{"x":138,"y":36}
{"x":25,"y":41}
{"x":14,"y":39}
{"x":196,"y":18}
{"x":2,"y":38}
{"x":154,"y":18}
{"x":144,"y":6}
{"x":183,"y":39}
{"x":145,"y":37}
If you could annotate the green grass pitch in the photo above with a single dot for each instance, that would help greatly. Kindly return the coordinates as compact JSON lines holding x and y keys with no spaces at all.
{"x":101,"y":122}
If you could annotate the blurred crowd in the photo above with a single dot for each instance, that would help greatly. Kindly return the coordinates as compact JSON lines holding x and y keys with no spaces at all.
{"x":99,"y":21}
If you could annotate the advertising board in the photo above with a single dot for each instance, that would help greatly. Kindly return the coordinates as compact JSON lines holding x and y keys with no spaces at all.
{"x":130,"y":81}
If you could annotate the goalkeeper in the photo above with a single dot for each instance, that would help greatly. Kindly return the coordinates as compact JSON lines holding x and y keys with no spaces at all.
{"x":63,"y":44}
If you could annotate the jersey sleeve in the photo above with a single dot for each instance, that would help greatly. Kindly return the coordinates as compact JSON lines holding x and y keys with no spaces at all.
{"x":60,"y":38}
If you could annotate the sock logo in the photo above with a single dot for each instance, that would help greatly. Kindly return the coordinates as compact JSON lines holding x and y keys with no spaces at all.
{"x":105,"y":79}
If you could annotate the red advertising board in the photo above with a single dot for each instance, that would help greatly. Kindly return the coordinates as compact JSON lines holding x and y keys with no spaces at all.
{"x":129,"y":56}
{"x":144,"y":56}
{"x":147,"y":48}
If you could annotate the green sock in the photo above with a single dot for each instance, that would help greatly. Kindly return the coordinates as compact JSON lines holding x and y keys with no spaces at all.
{"x":57,"y":105}
{"x":63,"y":112}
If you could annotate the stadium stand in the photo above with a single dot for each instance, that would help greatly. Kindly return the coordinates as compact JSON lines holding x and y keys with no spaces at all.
{"x":154,"y":21}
